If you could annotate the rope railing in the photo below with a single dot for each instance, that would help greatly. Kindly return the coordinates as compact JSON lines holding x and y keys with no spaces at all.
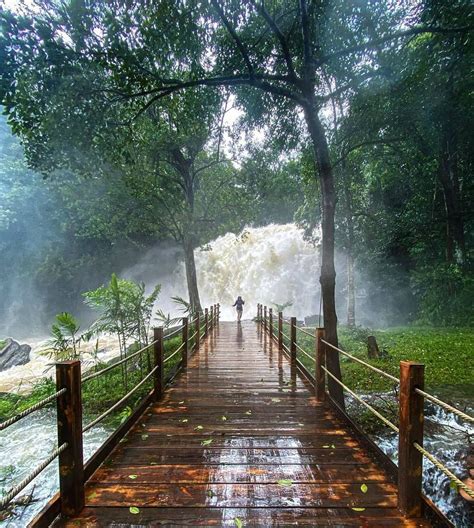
{"x":10,"y":495}
{"x":116,"y":364}
{"x":368,"y":365}
{"x":410,"y":403}
{"x":303,"y":331}
{"x":171,"y":356}
{"x":69,"y":411}
{"x":445,"y":405}
{"x":444,"y":469}
{"x":29,"y":410}
{"x":303,"y":351}
{"x":359,"y":399}
{"x":120,"y":402}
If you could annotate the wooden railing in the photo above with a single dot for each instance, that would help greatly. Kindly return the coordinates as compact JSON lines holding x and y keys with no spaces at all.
{"x":73,"y":472}
{"x":411,"y":401}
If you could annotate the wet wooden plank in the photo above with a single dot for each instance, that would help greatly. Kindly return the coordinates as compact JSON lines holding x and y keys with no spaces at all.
{"x":263,"y":495}
{"x":238,"y":473}
{"x":232,"y":426}
{"x":250,"y":517}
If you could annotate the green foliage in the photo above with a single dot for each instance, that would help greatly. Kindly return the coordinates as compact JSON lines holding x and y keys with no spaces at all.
{"x":446,"y":292}
{"x":125,"y":309}
{"x":64,"y":344}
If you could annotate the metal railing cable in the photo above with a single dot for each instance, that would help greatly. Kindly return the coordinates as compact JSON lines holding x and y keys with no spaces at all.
{"x":359,"y":399}
{"x":6,"y":499}
{"x":305,"y":353}
{"x":444,"y":469}
{"x":116,"y":364}
{"x":368,"y":365}
{"x":193,"y":336}
{"x":29,"y":410}
{"x":122,"y":400}
{"x":445,"y":405}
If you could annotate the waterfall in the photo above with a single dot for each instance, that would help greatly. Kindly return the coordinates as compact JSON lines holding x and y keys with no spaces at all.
{"x":271,"y":265}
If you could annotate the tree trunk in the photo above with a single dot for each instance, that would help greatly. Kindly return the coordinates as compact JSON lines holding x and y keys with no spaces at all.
{"x":191,"y":276}
{"x":350,"y":289}
{"x":328,"y":271}
{"x":350,"y":247}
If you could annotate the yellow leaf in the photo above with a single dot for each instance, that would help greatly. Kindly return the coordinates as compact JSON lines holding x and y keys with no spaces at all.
{"x":364,"y":488}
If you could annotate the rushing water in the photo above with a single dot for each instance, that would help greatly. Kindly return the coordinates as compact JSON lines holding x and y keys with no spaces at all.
{"x":24,"y":446}
{"x":448,"y":438}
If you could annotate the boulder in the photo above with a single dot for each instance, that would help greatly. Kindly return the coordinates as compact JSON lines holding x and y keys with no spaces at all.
{"x":13,"y":354}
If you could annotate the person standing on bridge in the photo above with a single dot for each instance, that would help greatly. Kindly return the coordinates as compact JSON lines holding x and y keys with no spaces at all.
{"x":239,"y":306}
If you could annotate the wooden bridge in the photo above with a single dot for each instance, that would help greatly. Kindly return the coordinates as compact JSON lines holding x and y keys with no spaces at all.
{"x":237,"y":437}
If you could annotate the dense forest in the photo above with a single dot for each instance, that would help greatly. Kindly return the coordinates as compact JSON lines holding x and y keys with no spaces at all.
{"x":128,"y":144}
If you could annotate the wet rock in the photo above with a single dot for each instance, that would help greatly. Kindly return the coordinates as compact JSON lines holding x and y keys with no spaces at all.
{"x":13,"y":354}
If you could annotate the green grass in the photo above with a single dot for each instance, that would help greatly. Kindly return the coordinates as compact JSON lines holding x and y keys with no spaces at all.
{"x":447,"y":353}
{"x":3,"y":342}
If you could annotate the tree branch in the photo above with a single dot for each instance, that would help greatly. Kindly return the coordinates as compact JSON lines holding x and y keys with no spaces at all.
{"x":282,"y":39}
{"x":388,"y":38}
{"x":234,"y":35}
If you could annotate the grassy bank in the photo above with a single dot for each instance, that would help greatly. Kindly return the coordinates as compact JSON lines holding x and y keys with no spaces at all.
{"x":448,"y":355}
{"x":102,"y":392}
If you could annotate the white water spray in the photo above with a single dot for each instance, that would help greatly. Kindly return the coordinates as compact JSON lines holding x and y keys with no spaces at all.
{"x":270,"y":265}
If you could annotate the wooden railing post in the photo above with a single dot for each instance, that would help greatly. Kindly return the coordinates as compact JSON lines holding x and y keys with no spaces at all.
{"x":218,"y":311}
{"x":280,"y":331}
{"x":293,"y":342}
{"x":258,"y":311}
{"x":184,"y":351}
{"x":410,"y":460}
{"x":206,"y":322}
{"x":197,"y":330}
{"x":270,"y":321}
{"x":69,"y":419}
{"x":212,"y":318}
{"x":158,"y":353}
{"x":264,"y":318}
{"x":320,"y":375}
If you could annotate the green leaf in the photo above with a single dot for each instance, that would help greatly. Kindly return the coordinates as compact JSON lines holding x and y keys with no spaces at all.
{"x":238,"y":523}
{"x":185,"y":420}
{"x":453,"y":485}
{"x":249,"y":412}
{"x":210,"y":493}
{"x":358,"y":509}
{"x":207,"y":442}
{"x":134,"y":510}
{"x":181,"y":402}
{"x":285,"y":482}
{"x":364,"y":488}
{"x":144,"y":436}
{"x":199,"y":428}
{"x":133,"y":477}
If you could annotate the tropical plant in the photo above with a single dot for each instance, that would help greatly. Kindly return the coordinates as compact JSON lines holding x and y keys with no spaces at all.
{"x":64,"y":343}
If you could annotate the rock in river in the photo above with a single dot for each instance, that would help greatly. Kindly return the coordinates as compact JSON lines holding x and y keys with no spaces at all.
{"x":13,"y":354}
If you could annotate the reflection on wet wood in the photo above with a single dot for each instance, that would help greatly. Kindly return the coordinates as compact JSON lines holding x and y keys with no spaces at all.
{"x":238,"y":436}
